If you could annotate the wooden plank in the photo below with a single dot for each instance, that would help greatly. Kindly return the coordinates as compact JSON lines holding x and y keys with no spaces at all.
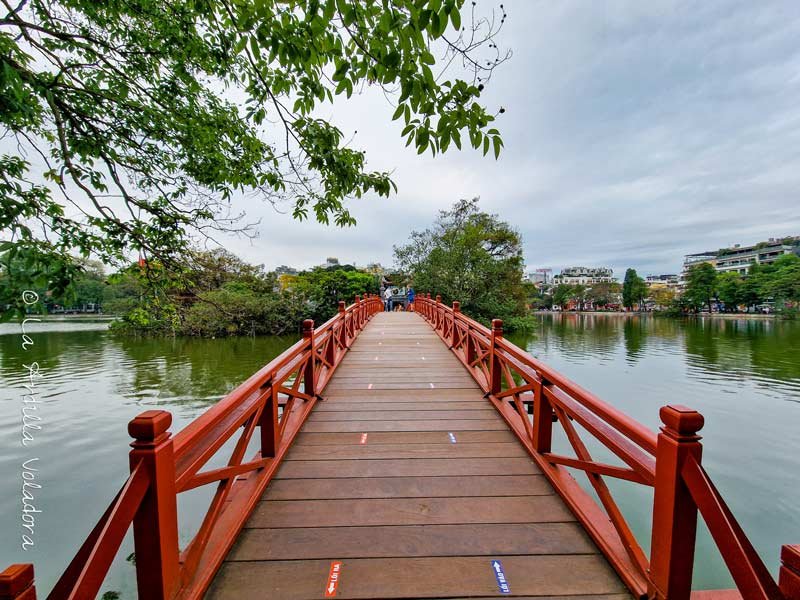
{"x":399,"y":385}
{"x":409,"y":511}
{"x":439,"y":425}
{"x":340,"y":405}
{"x":404,"y":437}
{"x":430,"y":577}
{"x":419,"y":467}
{"x":419,"y":395}
{"x":403,"y":415}
{"x":443,"y":450}
{"x":412,"y":540}
{"x":409,"y":487}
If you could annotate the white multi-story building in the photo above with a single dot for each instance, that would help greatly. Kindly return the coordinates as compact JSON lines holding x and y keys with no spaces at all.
{"x":738,"y":258}
{"x":584,"y":276}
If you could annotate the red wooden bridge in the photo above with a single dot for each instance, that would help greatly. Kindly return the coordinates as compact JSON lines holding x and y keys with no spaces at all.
{"x":408,"y":455}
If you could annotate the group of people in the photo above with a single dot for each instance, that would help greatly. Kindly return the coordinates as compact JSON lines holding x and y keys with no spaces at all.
{"x":390,"y":304}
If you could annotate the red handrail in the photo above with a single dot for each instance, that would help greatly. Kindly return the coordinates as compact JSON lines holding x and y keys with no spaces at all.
{"x":276,"y":400}
{"x":531,"y":397}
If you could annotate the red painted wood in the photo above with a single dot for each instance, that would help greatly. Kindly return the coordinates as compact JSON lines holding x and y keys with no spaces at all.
{"x":16,"y":583}
{"x":789,"y":577}
{"x":155,"y":525}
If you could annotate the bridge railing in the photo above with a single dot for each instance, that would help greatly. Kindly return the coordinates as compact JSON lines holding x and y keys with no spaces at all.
{"x":533,"y":398}
{"x":273,"y":402}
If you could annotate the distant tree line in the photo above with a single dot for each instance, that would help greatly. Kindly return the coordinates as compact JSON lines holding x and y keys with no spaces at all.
{"x":216,"y":294}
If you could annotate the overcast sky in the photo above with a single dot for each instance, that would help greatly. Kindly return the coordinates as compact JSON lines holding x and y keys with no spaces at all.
{"x":635,"y":132}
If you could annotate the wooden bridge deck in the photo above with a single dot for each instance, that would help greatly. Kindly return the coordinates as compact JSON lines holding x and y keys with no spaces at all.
{"x":410,"y":480}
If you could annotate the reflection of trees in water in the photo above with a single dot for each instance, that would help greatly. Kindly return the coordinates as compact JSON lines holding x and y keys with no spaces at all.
{"x":192,"y":369}
{"x":635,"y":336}
{"x":742,"y":347}
{"x":578,"y":336}
{"x":74,"y":351}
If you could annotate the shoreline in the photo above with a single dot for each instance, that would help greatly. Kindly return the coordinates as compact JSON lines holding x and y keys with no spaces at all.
{"x":728,"y":316}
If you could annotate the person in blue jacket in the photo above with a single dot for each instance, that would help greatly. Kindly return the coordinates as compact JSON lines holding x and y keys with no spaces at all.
{"x":410,"y":298}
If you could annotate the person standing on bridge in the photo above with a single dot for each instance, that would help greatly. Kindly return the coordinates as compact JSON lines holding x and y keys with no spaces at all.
{"x":387,"y":299}
{"x":410,"y":297}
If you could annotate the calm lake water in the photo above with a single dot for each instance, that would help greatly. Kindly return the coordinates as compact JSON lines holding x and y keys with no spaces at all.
{"x":743,"y":375}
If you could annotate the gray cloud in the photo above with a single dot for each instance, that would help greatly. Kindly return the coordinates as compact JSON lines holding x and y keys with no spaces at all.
{"x":635,"y":133}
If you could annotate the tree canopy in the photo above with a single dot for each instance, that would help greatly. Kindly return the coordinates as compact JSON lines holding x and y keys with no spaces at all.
{"x":701,"y":285}
{"x":634,"y":289}
{"x":470,"y":256}
{"x":136,"y":124}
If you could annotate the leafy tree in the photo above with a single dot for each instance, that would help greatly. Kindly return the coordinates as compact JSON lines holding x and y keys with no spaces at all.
{"x":211,"y":269}
{"x":578,"y":295}
{"x":782,"y":278}
{"x":603,"y":294}
{"x":146,"y":119}
{"x":730,"y":290}
{"x":701,"y":285}
{"x":663,"y":297}
{"x":562,"y":294}
{"x":470,"y":256}
{"x":634,"y":289}
{"x":325,"y":287}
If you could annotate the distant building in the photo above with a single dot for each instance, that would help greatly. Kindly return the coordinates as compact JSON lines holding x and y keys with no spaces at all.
{"x":584,"y":276}
{"x":656,"y":281}
{"x":375,"y":268}
{"x":284,"y":270}
{"x":331,"y":262}
{"x":539,"y":277}
{"x":738,"y":258}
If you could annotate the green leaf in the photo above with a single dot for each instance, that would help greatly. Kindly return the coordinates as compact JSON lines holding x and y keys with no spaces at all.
{"x":455,"y":18}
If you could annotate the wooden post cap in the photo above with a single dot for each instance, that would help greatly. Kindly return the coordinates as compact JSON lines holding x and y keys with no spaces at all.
{"x":681,"y":420}
{"x":438,"y":298}
{"x":456,"y":306}
{"x":790,"y":556}
{"x":341,"y":306}
{"x":149,"y":425}
{"x":358,"y":298}
{"x":308,"y":326}
{"x":497,"y":325}
{"x":15,"y":580}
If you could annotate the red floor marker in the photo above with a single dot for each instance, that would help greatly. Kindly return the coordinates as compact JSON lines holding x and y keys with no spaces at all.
{"x":363,"y":438}
{"x":333,"y":579}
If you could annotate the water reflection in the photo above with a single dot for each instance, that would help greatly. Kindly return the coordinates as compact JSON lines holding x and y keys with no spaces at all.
{"x":742,"y":374}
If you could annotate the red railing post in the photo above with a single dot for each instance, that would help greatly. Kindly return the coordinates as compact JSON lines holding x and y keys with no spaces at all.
{"x":454,"y":335}
{"x":438,"y":322}
{"x":155,"y":525}
{"x":789,"y":576}
{"x":470,"y":349}
{"x":342,"y":325}
{"x":357,"y":315}
{"x":495,"y":372}
{"x":268,"y":423}
{"x":542,"y":418}
{"x":16,"y":583}
{"x":674,"y":510}
{"x":309,"y":373}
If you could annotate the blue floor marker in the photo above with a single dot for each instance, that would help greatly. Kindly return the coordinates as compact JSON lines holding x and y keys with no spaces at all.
{"x":502,"y":583}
